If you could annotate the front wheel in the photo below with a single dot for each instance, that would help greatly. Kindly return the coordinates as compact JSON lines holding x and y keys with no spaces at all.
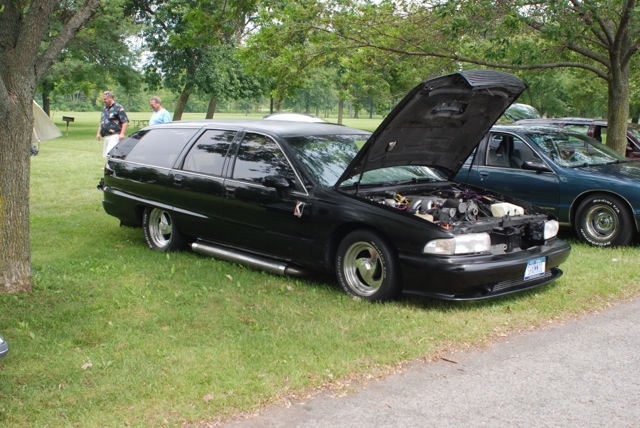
{"x":366,"y":267}
{"x":604,"y":220}
{"x":160,"y":230}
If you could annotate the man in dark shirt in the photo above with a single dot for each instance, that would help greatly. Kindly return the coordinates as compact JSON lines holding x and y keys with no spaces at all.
{"x":113,"y":123}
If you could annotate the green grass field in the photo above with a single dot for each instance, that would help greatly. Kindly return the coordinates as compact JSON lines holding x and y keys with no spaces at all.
{"x":115,"y":334}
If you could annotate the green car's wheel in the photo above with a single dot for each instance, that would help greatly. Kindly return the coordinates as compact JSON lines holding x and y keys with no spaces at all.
{"x":604,"y":220}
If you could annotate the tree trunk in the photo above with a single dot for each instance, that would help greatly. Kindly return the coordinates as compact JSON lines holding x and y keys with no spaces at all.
{"x":47,"y":87}
{"x":182,"y":101}
{"x":340,"y":111}
{"x":213,"y":103}
{"x":618,"y":107}
{"x":16,"y":127}
{"x":24,"y":28}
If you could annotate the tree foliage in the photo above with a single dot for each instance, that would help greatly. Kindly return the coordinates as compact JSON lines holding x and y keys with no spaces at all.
{"x":191,"y":45}
{"x":98,"y":58}
{"x":596,"y":36}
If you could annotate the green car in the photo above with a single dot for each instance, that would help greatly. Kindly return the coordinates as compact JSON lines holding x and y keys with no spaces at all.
{"x":585,"y":184}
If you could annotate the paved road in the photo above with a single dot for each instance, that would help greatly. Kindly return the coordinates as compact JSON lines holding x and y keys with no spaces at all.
{"x":583,"y":373}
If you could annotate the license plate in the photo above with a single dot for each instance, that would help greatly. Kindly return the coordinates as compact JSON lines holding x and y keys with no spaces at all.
{"x":535,"y":268}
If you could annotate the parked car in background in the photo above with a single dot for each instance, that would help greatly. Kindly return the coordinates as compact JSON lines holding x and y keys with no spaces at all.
{"x":294,"y":117}
{"x":519,"y":111}
{"x":584,"y":183}
{"x":378,"y":210}
{"x":4,"y":347}
{"x":595,"y":128}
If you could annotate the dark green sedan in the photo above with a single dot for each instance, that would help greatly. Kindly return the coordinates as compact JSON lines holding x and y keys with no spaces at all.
{"x":584,"y":183}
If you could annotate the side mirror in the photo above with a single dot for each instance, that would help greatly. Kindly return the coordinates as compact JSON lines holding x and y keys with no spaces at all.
{"x":276,"y":181}
{"x":536,"y":165}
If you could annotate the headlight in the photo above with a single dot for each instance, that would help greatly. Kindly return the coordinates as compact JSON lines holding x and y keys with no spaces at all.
{"x":551,"y":229}
{"x":461,"y":244}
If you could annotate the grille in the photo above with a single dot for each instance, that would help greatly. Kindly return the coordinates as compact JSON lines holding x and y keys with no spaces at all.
{"x":513,"y":283}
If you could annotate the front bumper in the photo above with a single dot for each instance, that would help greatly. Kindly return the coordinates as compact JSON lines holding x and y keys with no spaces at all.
{"x":476,"y":277}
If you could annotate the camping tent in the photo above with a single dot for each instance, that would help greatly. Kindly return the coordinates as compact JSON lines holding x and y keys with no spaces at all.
{"x":43,"y":126}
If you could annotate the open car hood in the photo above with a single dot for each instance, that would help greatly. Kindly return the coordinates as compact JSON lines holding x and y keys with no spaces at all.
{"x":439,"y":122}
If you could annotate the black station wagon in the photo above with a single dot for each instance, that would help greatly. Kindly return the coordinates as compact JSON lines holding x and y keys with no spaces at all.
{"x":379,"y":210}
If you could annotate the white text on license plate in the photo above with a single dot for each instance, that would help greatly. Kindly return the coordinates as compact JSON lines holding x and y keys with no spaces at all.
{"x":535,"y":268}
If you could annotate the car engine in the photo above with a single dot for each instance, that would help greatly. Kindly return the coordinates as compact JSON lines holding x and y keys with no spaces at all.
{"x":450,"y":207}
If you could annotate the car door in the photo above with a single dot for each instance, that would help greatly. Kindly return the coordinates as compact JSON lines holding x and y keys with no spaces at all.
{"x":197,"y":185}
{"x":499,"y":165}
{"x":266,"y":207}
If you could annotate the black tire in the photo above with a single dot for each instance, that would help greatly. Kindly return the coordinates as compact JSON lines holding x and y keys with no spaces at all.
{"x":367,"y":267}
{"x":604,"y":221}
{"x":160,"y":230}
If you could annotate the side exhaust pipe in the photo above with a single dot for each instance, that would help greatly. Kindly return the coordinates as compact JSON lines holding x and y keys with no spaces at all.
{"x":255,"y":262}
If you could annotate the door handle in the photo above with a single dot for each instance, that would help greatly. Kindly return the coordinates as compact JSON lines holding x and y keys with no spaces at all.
{"x":483,"y":175}
{"x":229,"y":193}
{"x":177,"y":180}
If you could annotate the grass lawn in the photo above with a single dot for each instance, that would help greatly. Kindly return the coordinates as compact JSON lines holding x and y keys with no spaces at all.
{"x":115,"y":334}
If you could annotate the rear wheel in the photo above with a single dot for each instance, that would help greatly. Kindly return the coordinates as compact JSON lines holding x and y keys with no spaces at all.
{"x":604,"y":220}
{"x":366,"y":267}
{"x":160,"y":230}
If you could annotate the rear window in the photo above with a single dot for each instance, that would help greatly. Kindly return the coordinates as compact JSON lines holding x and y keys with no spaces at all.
{"x":157,"y":147}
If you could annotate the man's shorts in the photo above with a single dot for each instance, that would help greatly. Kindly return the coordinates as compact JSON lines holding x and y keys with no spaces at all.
{"x":110,"y":142}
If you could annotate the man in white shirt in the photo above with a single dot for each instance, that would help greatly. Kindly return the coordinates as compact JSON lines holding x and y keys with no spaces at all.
{"x":160,"y":114}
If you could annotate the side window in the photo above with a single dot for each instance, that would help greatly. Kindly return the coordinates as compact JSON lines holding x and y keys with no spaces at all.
{"x":160,"y":147}
{"x":603,"y":135}
{"x":521,"y":153}
{"x":208,"y":153}
{"x":497,"y":154}
{"x":259,"y":157}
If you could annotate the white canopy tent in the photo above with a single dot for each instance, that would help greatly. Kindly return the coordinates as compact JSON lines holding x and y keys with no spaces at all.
{"x":43,"y":127}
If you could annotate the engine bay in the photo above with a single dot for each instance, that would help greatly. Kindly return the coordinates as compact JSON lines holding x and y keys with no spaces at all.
{"x":462,"y":210}
{"x":449,"y":205}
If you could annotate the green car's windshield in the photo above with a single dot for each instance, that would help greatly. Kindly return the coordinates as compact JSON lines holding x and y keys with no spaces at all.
{"x":570,"y":149}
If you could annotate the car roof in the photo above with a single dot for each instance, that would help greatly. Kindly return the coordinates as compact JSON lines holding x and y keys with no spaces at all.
{"x":566,"y":120}
{"x":284,"y":128}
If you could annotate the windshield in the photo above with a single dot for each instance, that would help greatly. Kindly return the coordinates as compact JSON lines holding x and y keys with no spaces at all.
{"x":325,"y":157}
{"x":634,"y":130}
{"x":570,"y":149}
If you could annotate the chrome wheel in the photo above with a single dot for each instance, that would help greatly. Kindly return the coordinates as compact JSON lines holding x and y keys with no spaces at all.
{"x":363,"y":268}
{"x":160,"y":230}
{"x":366,"y":266}
{"x":601,"y":223}
{"x":604,"y":220}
